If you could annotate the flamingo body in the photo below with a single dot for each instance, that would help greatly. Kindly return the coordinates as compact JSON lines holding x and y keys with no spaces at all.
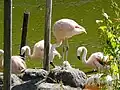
{"x":18,"y":64}
{"x":38,"y":50}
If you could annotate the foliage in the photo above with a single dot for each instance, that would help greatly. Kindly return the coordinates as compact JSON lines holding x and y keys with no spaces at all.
{"x":110,"y":40}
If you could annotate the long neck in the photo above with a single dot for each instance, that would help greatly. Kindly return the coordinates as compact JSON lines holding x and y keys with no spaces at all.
{"x":84,"y":55}
{"x":29,"y":52}
{"x":52,"y":49}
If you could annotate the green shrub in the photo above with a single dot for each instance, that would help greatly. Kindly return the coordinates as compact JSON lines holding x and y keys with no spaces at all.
{"x":109,"y":29}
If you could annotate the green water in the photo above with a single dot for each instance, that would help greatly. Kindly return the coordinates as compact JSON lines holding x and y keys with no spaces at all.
{"x":85,"y":12}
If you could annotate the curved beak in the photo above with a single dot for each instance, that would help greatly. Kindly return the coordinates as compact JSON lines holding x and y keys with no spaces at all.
{"x":85,"y":32}
{"x":78,"y":57}
{"x":83,"y":29}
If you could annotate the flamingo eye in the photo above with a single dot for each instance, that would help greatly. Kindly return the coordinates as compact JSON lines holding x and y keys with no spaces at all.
{"x":77,"y":27}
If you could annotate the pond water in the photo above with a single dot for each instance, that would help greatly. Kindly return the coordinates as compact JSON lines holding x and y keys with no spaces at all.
{"x":85,"y":12}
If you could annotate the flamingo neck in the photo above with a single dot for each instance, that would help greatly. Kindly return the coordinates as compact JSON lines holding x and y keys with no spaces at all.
{"x":84,"y":55}
{"x":57,"y":44}
{"x":29,"y":53}
{"x":52,"y":50}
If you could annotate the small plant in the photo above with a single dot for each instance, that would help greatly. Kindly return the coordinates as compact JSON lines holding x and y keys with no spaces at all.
{"x":110,"y":40}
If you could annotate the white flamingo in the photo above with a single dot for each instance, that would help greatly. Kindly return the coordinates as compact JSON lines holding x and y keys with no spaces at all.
{"x":38,"y":52}
{"x":64,"y":29}
{"x":95,"y":60}
{"x":18,"y":64}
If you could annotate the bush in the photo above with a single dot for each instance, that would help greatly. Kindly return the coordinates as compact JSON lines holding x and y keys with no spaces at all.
{"x":109,"y":29}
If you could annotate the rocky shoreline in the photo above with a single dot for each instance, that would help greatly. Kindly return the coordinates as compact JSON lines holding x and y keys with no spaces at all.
{"x":59,"y":78}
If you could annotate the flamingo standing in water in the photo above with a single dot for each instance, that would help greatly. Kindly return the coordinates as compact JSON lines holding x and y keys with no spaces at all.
{"x":38,"y":52}
{"x":64,"y":29}
{"x":18,"y":64}
{"x":95,"y":60}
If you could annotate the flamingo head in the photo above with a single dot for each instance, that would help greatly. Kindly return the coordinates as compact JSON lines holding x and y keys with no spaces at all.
{"x":79,"y":51}
{"x":79,"y":29}
{"x":24,"y":49}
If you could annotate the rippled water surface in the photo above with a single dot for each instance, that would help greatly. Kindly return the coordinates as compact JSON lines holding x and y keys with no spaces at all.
{"x":85,"y":12}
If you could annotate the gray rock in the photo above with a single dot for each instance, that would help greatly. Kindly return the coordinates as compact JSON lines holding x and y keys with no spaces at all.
{"x":68,"y":76}
{"x":30,"y":74}
{"x":28,"y":85}
{"x":37,"y":79}
{"x":14,"y":80}
{"x":53,"y":86}
{"x":36,"y":85}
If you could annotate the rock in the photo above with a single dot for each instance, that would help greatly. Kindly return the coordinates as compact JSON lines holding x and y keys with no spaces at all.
{"x":1,"y":78}
{"x":94,"y":80}
{"x":32,"y":78}
{"x":35,"y":85}
{"x":68,"y":76}
{"x":30,"y":74}
{"x":29,"y":85}
{"x":53,"y":86}
{"x":14,"y":80}
{"x":64,"y":77}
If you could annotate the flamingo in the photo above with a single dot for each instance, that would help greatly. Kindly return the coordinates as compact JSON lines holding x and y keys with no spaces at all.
{"x":38,"y":52}
{"x":95,"y":60}
{"x":18,"y":64}
{"x":64,"y":29}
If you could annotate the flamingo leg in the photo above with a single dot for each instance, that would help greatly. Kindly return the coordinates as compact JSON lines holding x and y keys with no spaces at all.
{"x":63,"y":54}
{"x":67,"y":47}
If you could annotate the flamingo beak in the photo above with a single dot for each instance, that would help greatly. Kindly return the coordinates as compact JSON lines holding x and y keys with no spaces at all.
{"x":101,"y":62}
{"x":83,"y":29}
{"x":78,"y":57}
{"x":22,"y":71}
{"x":85,"y":32}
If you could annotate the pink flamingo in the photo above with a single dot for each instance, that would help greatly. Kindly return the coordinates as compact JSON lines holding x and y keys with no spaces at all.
{"x":18,"y":64}
{"x":95,"y":60}
{"x":64,"y":29}
{"x":38,"y":52}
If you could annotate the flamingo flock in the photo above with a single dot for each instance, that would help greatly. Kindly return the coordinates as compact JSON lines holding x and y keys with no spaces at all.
{"x":63,"y":29}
